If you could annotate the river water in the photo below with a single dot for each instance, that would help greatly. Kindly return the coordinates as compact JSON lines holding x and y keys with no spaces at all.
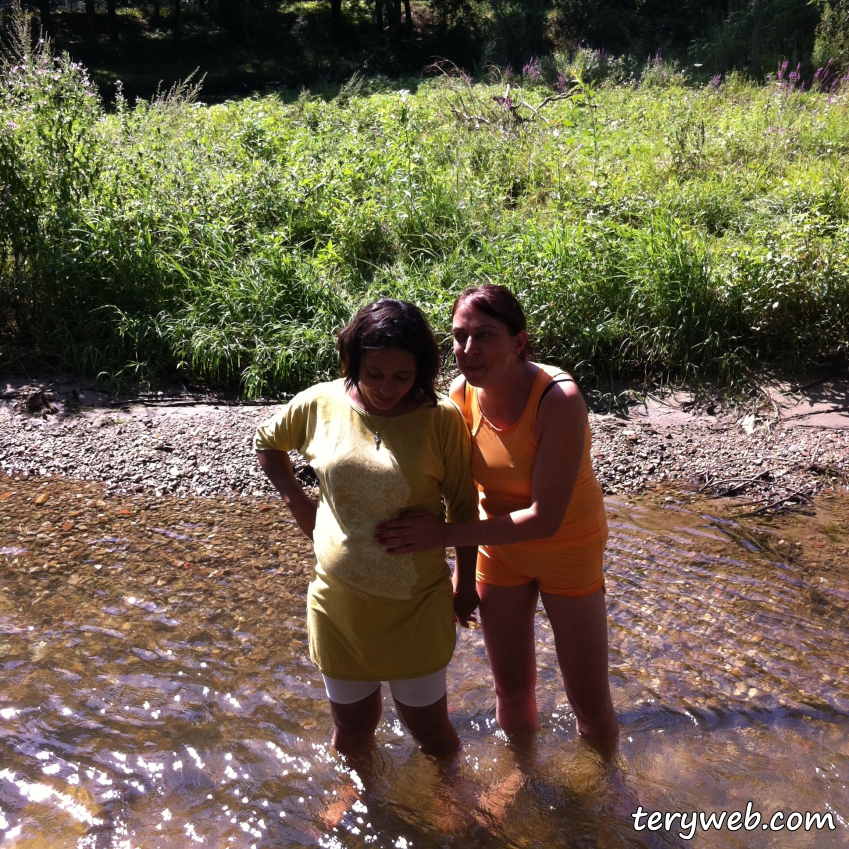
{"x":155,"y":688}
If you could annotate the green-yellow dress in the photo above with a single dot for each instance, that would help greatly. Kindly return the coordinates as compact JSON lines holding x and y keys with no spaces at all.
{"x":373,"y":616}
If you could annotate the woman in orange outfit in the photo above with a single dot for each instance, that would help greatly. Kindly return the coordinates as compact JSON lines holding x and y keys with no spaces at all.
{"x":544,"y":526}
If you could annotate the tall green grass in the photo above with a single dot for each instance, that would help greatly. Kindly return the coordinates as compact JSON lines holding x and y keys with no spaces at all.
{"x":652,"y":228}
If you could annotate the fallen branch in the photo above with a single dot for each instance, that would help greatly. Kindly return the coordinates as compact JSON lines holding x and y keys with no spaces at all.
{"x":471,"y":119}
{"x":545,"y":102}
{"x":739,"y":481}
{"x":778,"y":502}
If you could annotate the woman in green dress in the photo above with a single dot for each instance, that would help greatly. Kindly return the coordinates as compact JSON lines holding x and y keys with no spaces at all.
{"x":381,"y":442}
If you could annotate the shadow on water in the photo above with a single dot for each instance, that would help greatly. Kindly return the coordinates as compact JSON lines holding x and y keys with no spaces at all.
{"x":155,"y":688}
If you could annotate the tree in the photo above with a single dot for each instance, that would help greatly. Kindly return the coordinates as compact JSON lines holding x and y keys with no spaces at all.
{"x":113,"y":21}
{"x":230,"y":17}
{"x":832,"y":38}
{"x":46,"y":20}
{"x":392,"y":9}
{"x":90,"y":20}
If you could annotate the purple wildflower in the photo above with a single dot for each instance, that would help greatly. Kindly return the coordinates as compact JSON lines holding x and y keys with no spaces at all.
{"x":826,"y":79}
{"x":533,"y":69}
{"x":795,"y":77}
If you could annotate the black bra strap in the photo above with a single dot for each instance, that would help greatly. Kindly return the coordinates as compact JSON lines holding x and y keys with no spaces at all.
{"x":554,"y":380}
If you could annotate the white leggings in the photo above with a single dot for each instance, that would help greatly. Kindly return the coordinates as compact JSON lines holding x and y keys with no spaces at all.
{"x":412,"y":692}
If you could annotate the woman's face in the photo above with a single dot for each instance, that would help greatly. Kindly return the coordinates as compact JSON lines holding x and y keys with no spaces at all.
{"x":386,"y":378}
{"x":483,"y":346}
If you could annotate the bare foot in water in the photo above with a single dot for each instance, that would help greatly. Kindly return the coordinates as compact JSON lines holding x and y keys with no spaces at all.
{"x":493,"y":803}
{"x":343,"y":800}
{"x":451,"y":815}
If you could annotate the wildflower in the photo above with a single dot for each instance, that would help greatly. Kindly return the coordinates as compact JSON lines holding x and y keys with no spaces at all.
{"x":533,"y":69}
{"x":825,"y":78}
{"x":795,"y":77}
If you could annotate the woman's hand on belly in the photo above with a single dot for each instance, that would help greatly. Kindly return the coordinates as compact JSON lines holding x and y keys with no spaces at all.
{"x":412,"y":532}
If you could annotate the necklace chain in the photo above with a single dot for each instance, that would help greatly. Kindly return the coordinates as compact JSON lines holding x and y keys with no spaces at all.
{"x":366,"y":416}
{"x":377,"y":440}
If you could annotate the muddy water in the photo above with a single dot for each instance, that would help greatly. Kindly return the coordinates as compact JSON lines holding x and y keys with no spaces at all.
{"x":155,"y":689}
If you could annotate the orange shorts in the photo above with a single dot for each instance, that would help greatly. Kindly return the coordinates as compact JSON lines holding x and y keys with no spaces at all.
{"x":569,"y":571}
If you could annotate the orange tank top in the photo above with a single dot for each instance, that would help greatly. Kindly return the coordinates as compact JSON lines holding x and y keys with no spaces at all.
{"x":502,"y":466}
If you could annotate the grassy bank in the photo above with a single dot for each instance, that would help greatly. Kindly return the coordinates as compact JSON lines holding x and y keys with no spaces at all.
{"x":650,"y":228}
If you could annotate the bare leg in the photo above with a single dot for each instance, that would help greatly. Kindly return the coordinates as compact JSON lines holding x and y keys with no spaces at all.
{"x":430,"y":727}
{"x":507,"y":618}
{"x":355,"y":724}
{"x":353,"y":737}
{"x":580,"y":637}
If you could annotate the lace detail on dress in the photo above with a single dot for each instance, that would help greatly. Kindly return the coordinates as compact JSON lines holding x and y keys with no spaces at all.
{"x":367,"y":488}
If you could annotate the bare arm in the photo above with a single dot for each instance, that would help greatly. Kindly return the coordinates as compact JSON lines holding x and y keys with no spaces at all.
{"x":560,"y":428}
{"x":278,"y":468}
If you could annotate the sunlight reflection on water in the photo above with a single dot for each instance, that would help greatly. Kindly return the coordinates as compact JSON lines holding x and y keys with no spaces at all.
{"x":167,"y":699}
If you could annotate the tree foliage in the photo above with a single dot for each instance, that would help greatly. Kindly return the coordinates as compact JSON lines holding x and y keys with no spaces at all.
{"x":336,"y":37}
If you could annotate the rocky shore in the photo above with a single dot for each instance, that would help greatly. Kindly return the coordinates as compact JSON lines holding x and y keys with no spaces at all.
{"x":779,"y":450}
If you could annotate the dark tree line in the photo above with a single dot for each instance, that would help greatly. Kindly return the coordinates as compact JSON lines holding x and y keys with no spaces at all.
{"x":229,"y":14}
{"x":743,"y":34}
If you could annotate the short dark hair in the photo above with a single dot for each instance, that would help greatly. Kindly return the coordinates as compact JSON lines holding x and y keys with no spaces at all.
{"x":390,"y":323}
{"x":500,"y":303}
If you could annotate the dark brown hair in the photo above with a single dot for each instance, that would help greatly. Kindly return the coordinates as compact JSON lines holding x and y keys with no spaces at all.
{"x":500,"y":303}
{"x":390,"y":323}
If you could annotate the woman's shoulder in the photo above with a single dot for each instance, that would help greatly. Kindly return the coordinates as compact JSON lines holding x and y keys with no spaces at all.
{"x":459,"y":390}
{"x":320,"y":395}
{"x":560,"y":400}
{"x":446,"y":411}
{"x":553,"y":371}
{"x":445,"y":406}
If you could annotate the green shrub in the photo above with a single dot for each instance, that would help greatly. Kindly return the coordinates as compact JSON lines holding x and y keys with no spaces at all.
{"x":658,"y":228}
{"x":831,"y":46}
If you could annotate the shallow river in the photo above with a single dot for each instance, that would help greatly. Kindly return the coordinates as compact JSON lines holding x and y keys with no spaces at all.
{"x":155,"y":689}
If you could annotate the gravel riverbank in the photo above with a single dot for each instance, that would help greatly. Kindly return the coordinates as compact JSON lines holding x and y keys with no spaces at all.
{"x":775,"y":453}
